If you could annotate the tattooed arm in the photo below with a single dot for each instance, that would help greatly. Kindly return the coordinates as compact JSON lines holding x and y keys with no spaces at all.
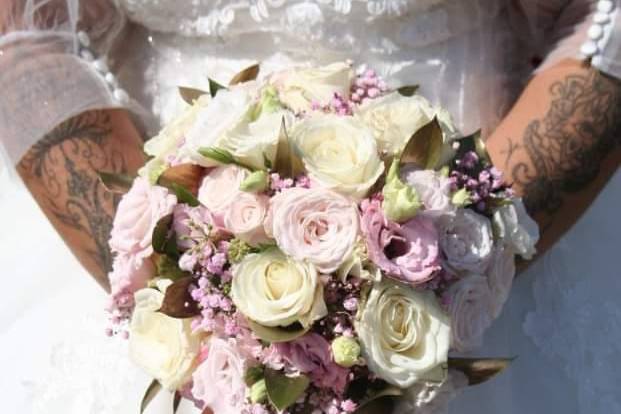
{"x":561,"y":143}
{"x":60,"y":172}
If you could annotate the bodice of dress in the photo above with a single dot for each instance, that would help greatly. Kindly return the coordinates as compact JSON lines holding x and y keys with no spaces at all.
{"x":457,"y":51}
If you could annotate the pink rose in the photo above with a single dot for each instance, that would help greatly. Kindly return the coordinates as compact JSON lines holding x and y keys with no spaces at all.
{"x":138,"y":213}
{"x":219,"y":379}
{"x":408,"y":252}
{"x":311,"y":354}
{"x":244,"y":218}
{"x":220,"y":187}
{"x":130,"y":274}
{"x":314,"y":224}
{"x":194,"y":226}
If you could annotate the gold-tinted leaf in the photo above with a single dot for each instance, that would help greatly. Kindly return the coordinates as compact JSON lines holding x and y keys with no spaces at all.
{"x":474,"y":142}
{"x":178,"y":302}
{"x":377,"y":402}
{"x":479,"y":370}
{"x":424,"y":147}
{"x":408,"y":91}
{"x":162,"y":237}
{"x":188,"y":176}
{"x":276,"y":334}
{"x":115,"y":182}
{"x":246,"y":75}
{"x":286,"y":164}
{"x":190,"y":95}
{"x":284,"y":391}
{"x":207,"y":410}
{"x":152,"y":390}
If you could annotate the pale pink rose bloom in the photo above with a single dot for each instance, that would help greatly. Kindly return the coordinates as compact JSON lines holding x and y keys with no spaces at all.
{"x":314,"y":224}
{"x":130,"y":273}
{"x":470,"y":304}
{"x":219,"y":380}
{"x":311,"y":354}
{"x":138,"y":213}
{"x":220,"y":187}
{"x":244,"y":218}
{"x":408,"y":253}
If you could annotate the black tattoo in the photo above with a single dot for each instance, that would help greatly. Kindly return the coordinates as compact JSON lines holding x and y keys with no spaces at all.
{"x":66,"y":161}
{"x":567,"y":146}
{"x":510,"y":151}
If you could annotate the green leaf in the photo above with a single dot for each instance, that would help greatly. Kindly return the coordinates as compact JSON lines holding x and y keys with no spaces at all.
{"x":408,"y":91}
{"x":284,"y":391}
{"x":248,"y":74}
{"x":116,"y":182}
{"x":184,"y":195}
{"x":152,"y":390}
{"x":276,"y":334}
{"x":479,"y":370}
{"x":425,"y":146}
{"x":252,"y":375}
{"x":285,"y":160}
{"x":214,"y":87}
{"x":190,"y":95}
{"x":176,"y":401}
{"x":169,"y":268}
{"x":178,"y":302}
{"x":217,"y":154}
{"x":266,"y":162}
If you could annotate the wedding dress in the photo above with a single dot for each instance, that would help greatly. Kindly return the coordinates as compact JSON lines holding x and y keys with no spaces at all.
{"x":563,"y":320}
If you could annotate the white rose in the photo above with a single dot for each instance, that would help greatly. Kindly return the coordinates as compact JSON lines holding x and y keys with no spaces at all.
{"x":168,"y":141}
{"x":405,"y":335}
{"x":516,"y":229}
{"x":467,"y":241}
{"x":394,"y":118}
{"x":316,"y":224}
{"x":338,"y":153}
{"x":163,"y":346}
{"x":244,"y":217}
{"x":470,"y":306}
{"x":434,"y":191}
{"x":275,"y":290}
{"x":299,"y":88}
{"x":226,"y":111}
{"x":220,"y":188}
{"x":500,"y":277}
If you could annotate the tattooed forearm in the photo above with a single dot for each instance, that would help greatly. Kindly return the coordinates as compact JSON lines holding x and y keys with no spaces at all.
{"x":61,"y":172}
{"x":566,"y":147}
{"x":560,"y":144}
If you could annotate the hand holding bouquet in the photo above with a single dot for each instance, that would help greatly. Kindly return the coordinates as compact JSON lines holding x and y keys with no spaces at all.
{"x":309,"y":243}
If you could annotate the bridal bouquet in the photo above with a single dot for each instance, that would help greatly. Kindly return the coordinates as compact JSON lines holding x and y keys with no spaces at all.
{"x":310,"y":243}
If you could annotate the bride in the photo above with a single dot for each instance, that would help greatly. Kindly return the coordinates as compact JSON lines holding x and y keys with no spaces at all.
{"x":83,"y":81}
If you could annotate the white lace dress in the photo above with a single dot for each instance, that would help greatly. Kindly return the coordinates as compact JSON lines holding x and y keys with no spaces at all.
{"x":472,"y":56}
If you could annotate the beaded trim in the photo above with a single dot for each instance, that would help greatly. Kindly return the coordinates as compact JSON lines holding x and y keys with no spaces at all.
{"x":100,"y":65}
{"x":600,"y":31}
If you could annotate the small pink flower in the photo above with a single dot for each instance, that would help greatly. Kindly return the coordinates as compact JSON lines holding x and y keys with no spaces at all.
{"x":137,"y":214}
{"x":129,"y":273}
{"x":408,"y":252}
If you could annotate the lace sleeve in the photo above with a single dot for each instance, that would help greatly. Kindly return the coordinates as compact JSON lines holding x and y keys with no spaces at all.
{"x":50,"y":68}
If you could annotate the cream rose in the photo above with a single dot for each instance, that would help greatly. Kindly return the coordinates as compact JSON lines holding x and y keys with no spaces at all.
{"x":394,"y":118}
{"x":137,"y":214}
{"x":500,"y":276}
{"x":338,"y":153}
{"x":299,"y":88}
{"x":244,"y":217}
{"x":275,"y":290}
{"x":405,"y":334}
{"x":516,"y":229}
{"x":467,"y":241}
{"x":316,"y":224}
{"x":163,"y":346}
{"x":470,"y":307}
{"x":220,"y":188}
